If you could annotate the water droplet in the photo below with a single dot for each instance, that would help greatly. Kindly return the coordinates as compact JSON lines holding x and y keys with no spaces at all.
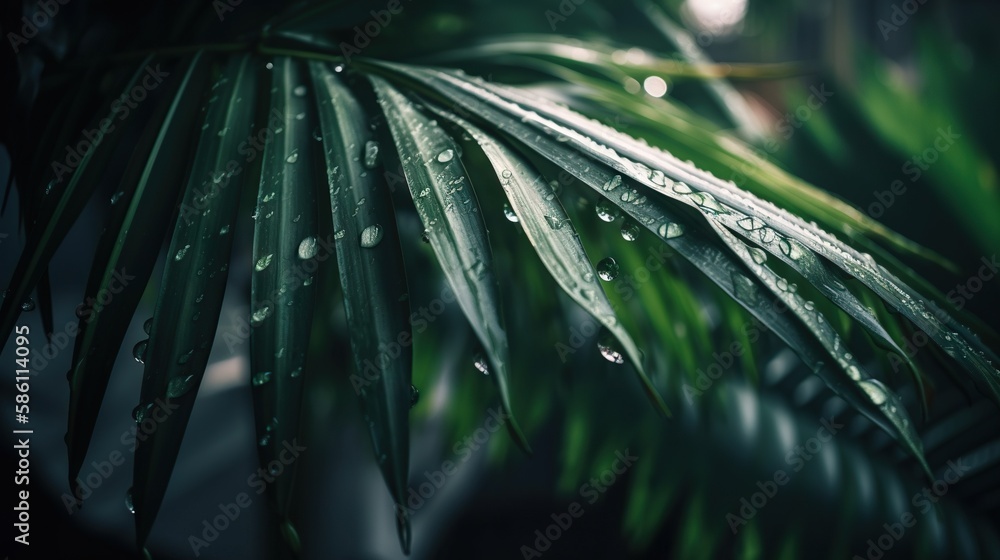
{"x":261,"y":377}
{"x":299,"y":90}
{"x":657,"y":177}
{"x":554,"y":223}
{"x":140,"y":412}
{"x":670,"y":230}
{"x":296,"y":372}
{"x":183,"y":358}
{"x":147,"y":325}
{"x":681,"y":187}
{"x":509,"y":213}
{"x":292,"y":158}
{"x":114,"y":198}
{"x":181,"y":252}
{"x":446,"y":156}
{"x":607,"y":269}
{"x":28,"y":305}
{"x":307,"y":248}
{"x":339,"y":234}
{"x":264,"y":440}
{"x":506,"y":174}
{"x":129,"y":505}
{"x":179,"y":386}
{"x":613,"y":183}
{"x":414,"y":396}
{"x":744,"y":289}
{"x":371,"y":154}
{"x":608,"y":350}
{"x":263,"y":262}
{"x":139,"y":351}
{"x":630,"y":231}
{"x":606,"y":212}
{"x":260,"y":315}
{"x":875,"y":391}
{"x":758,"y":255}
{"x":481,"y":365}
{"x":371,"y":236}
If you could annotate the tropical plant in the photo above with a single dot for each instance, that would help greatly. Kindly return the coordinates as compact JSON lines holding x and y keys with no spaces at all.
{"x":374,"y":175}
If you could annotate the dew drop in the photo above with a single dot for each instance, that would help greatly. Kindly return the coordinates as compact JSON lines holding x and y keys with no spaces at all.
{"x":28,"y":305}
{"x":509,"y":213}
{"x":223,"y":230}
{"x":554,"y":223}
{"x":299,"y":90}
{"x":371,"y":235}
{"x":179,"y":386}
{"x":481,"y":365}
{"x":414,"y":396}
{"x":371,"y":154}
{"x":115,"y":197}
{"x":139,"y":351}
{"x":148,"y":325}
{"x":670,"y":230}
{"x":263,"y":262}
{"x":607,"y":269}
{"x":613,"y":183}
{"x":630,"y":231}
{"x":129,"y":505}
{"x":874,"y":390}
{"x":606,"y":212}
{"x":446,"y":156}
{"x":608,"y":350}
{"x":307,"y":248}
{"x":181,"y":252}
{"x":758,"y":255}
{"x":293,"y":157}
{"x":260,"y":315}
{"x":140,"y":412}
{"x":261,"y":377}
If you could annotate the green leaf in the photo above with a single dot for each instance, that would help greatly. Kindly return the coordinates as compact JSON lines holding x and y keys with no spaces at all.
{"x":373,"y":279}
{"x":127,"y":252}
{"x":52,"y":226}
{"x":556,"y":241}
{"x":682,"y":181}
{"x":282,"y":291}
{"x":193,"y":283}
{"x":447,"y":205}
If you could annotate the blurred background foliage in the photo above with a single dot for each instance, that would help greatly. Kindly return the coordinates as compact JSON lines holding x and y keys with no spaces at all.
{"x":667,"y":72}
